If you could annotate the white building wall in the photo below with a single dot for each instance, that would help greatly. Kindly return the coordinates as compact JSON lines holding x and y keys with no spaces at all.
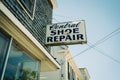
{"x":62,"y":55}
{"x":84,"y":73}
{"x":60,"y":74}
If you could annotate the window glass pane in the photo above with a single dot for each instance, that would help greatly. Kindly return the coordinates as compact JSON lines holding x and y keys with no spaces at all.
{"x":28,"y":5}
{"x":4,"y":42}
{"x":21,"y":66}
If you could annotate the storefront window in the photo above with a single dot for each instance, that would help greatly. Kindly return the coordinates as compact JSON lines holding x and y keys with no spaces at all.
{"x":21,"y":66}
{"x":4,"y":42}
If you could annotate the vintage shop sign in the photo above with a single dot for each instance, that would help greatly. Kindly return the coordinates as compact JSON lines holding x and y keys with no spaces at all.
{"x":66,"y":33}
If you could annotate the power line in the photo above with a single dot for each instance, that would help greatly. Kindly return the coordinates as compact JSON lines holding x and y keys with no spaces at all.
{"x":55,"y":19}
{"x":117,"y":31}
{"x":99,"y":42}
{"x":63,"y":16}
{"x":103,"y":53}
{"x":66,"y":17}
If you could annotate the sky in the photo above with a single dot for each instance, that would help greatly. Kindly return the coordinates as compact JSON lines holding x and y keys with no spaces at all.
{"x":101,"y":54}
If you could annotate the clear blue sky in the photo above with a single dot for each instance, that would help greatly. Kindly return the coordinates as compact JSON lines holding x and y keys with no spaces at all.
{"x":102,"y":17}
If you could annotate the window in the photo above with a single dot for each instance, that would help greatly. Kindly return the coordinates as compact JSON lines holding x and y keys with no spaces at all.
{"x":21,"y":66}
{"x":4,"y":43}
{"x":28,"y":6}
{"x":68,"y":71}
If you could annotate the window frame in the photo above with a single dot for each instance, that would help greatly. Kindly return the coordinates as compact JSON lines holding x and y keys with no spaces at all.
{"x":30,"y":59}
{"x":6,"y":54}
{"x":11,"y":41}
{"x":27,"y":11}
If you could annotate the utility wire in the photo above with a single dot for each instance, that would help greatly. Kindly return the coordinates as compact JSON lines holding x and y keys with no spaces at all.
{"x":99,"y":42}
{"x":103,"y":53}
{"x":55,"y":19}
{"x":66,"y":17}
{"x":117,"y":31}
{"x":63,"y":16}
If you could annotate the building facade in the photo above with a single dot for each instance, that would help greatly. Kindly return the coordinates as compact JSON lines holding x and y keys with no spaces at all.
{"x":84,"y":73}
{"x":23,"y":53}
{"x":68,"y":70}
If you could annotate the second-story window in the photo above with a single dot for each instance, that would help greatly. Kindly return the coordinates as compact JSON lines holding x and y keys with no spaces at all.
{"x":28,"y":6}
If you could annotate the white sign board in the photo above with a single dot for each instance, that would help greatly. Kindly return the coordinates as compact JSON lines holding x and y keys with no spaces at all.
{"x":66,"y":33}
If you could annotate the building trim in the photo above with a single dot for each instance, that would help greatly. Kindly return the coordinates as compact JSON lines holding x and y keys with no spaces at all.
{"x":86,"y":72}
{"x":72,"y":63}
{"x":54,"y":3}
{"x":22,"y":35}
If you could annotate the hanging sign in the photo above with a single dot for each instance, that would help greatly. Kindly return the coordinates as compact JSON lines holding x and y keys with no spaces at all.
{"x":66,"y":33}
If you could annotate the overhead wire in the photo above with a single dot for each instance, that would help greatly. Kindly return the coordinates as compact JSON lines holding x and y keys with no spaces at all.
{"x":103,"y":53}
{"x":117,"y":31}
{"x":99,"y":42}
{"x":55,"y":19}
{"x":66,"y":17}
{"x":63,"y":16}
